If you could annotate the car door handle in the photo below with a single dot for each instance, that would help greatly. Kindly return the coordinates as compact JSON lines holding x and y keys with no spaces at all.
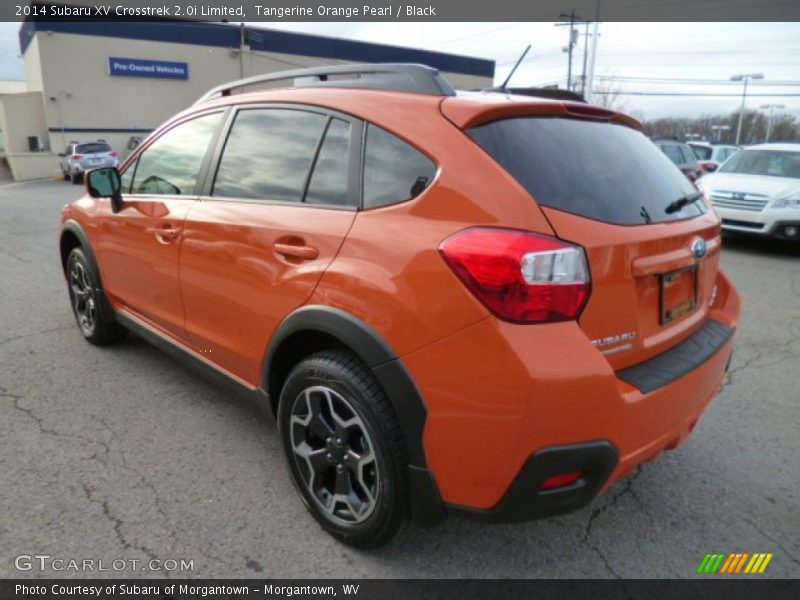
{"x":164,"y":234}
{"x":296,"y":251}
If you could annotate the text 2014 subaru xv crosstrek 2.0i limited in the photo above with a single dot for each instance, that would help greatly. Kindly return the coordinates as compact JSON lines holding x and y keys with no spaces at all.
{"x":471,"y":302}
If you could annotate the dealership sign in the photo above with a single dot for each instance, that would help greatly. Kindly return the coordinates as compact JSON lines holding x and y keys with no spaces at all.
{"x":139,"y":67}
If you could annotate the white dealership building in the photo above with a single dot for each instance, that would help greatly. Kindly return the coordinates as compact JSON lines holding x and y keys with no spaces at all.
{"x":111,"y":80}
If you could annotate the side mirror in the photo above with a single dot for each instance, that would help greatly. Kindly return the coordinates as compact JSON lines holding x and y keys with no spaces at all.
{"x":711,"y":168}
{"x":105,"y":183}
{"x":61,"y":154}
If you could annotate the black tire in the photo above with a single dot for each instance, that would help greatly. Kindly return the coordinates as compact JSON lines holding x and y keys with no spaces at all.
{"x":352,"y":392}
{"x":82,"y":283}
{"x":64,"y":175}
{"x":74,"y":178}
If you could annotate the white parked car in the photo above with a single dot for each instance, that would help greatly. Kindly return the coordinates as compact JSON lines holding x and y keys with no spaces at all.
{"x":757,"y":190}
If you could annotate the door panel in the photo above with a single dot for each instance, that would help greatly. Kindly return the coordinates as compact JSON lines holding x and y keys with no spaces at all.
{"x":139,"y":248}
{"x":140,"y":245}
{"x":244,"y":267}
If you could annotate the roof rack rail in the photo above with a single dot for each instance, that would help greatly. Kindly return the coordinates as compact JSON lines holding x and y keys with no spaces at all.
{"x":401,"y":77}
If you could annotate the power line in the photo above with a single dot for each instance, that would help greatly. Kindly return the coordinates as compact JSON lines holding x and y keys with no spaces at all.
{"x":691,"y":94}
{"x":688,"y":81}
{"x":480,"y":33}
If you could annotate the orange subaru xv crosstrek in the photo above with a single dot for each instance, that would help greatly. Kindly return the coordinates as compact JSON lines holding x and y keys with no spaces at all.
{"x":475,"y":302}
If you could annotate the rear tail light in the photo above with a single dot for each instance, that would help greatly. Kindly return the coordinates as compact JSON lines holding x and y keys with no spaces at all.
{"x":76,"y":156}
{"x":114,"y":154}
{"x":521,"y":277}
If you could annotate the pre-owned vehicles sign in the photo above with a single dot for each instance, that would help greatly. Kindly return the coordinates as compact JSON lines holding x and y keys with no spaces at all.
{"x":140,"y":67}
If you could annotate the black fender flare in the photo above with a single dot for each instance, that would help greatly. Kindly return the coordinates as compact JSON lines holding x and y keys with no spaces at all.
{"x":393,"y":377}
{"x":75,"y":229}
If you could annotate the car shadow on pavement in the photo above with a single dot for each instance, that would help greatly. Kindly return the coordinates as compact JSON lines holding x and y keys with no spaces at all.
{"x":759,"y":245}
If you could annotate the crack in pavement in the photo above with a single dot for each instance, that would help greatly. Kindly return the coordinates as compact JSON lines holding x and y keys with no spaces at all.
{"x":16,"y":257}
{"x":44,"y":430}
{"x":105,"y":459}
{"x":34,"y":334}
{"x":118,"y":524}
{"x":755,"y":526}
{"x":612,"y":503}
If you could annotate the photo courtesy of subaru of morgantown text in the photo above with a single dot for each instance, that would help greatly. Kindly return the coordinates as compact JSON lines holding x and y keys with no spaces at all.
{"x":452,"y":302}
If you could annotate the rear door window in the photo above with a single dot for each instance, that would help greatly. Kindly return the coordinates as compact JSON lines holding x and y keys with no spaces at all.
{"x":599,"y":170}
{"x":268,"y":154}
{"x":393,"y":170}
{"x":329,"y":180}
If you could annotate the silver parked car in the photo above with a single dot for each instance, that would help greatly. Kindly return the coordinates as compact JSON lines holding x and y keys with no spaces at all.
{"x":81,"y":157}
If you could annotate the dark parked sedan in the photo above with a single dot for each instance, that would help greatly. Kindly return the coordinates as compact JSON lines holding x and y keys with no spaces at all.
{"x":683,"y":157}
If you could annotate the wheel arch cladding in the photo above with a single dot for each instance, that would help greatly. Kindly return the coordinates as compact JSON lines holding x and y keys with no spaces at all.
{"x":313,"y":328}
{"x":69,"y":240}
{"x":73,"y":236}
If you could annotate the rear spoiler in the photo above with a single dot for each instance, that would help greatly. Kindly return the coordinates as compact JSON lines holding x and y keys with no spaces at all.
{"x":552,"y":93}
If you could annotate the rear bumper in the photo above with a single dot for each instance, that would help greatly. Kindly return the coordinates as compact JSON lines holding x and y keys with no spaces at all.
{"x":526,"y":499}
{"x":513,"y":397}
{"x":80,"y":168}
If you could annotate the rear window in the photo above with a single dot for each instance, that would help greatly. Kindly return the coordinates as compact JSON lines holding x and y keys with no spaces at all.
{"x":764,"y":162}
{"x":702,"y":152}
{"x":688,"y":155}
{"x":92,"y":148}
{"x":598,"y":170}
{"x":673,"y":152}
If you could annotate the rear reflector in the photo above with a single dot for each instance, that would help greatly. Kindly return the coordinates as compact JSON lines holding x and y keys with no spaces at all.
{"x":557,"y":481}
{"x":521,"y":277}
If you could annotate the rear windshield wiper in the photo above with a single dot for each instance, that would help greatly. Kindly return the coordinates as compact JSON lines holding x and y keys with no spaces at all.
{"x":678,"y":204}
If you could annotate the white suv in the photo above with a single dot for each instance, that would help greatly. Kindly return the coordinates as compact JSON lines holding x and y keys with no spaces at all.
{"x":79,"y":158}
{"x":757,"y":190}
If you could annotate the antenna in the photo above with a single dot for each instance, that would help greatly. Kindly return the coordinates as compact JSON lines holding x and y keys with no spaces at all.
{"x":521,"y":58}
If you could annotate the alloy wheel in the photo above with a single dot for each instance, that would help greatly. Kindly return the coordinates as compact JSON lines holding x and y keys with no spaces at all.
{"x":334,"y":455}
{"x":83,"y":302}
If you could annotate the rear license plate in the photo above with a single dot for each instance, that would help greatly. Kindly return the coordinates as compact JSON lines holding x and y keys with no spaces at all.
{"x":678,"y":293}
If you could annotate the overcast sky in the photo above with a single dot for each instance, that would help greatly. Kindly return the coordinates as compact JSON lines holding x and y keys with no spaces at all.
{"x":634,"y":55}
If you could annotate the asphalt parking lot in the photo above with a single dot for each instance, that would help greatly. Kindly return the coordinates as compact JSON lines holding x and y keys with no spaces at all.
{"x":122,"y":453}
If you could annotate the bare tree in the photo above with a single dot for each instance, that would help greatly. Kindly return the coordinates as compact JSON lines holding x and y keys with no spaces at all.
{"x":785,"y":127}
{"x":608,"y":93}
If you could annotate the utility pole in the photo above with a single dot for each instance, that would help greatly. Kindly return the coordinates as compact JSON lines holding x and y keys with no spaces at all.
{"x":771,"y":108}
{"x":585,"y":56}
{"x":745,"y":77}
{"x":241,"y":49}
{"x":593,"y":53}
{"x":573,"y":36}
